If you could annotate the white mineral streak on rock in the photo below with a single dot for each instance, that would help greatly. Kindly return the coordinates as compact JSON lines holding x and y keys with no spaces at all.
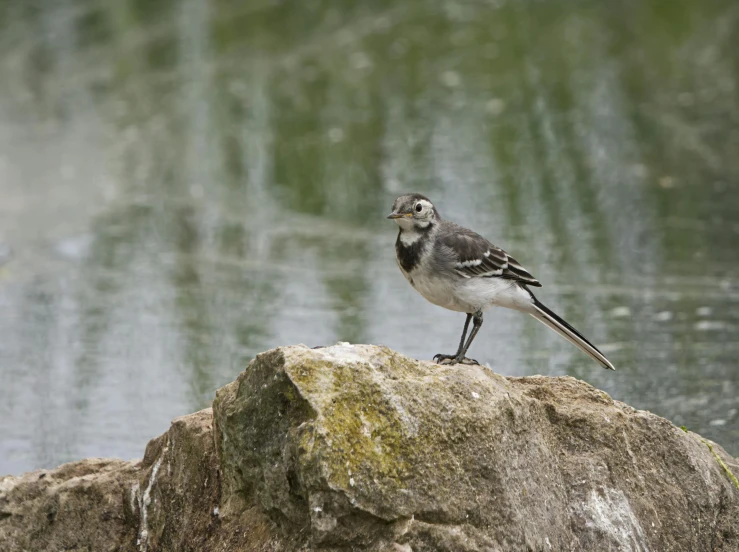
{"x":144,"y":501}
{"x":608,"y":510}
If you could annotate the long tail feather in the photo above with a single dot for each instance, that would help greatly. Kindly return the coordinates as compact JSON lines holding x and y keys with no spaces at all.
{"x":549,"y":318}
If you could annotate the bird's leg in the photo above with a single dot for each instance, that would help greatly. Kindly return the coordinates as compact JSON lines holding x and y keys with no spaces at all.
{"x":459,"y":354}
{"x":464,"y":334}
{"x":476,"y":323}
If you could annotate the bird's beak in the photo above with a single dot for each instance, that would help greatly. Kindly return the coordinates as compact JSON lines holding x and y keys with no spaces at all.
{"x":396,"y":215}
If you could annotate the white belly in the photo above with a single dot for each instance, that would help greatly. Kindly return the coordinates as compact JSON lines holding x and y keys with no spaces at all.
{"x":494,"y":292}
{"x":439,"y":291}
{"x":471,"y":295}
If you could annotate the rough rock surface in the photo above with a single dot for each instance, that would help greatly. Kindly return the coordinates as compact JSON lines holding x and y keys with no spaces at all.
{"x":360,"y":448}
{"x":167,"y":501}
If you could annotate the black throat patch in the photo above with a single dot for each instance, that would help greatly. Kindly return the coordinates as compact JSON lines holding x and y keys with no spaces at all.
{"x":410,"y":255}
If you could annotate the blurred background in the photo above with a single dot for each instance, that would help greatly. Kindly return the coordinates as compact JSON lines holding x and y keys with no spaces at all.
{"x":184,"y":184}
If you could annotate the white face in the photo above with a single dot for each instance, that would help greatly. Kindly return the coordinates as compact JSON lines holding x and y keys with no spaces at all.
{"x":419,"y":213}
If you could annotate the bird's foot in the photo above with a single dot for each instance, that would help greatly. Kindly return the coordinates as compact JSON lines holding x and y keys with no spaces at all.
{"x":454,"y":359}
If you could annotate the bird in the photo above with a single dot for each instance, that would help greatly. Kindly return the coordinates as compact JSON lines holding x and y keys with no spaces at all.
{"x":457,"y":269}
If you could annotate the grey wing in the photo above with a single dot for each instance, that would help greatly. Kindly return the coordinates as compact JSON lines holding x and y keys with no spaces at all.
{"x":475,"y":257}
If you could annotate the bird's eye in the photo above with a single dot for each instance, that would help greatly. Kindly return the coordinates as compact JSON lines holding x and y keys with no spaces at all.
{"x":419,"y":207}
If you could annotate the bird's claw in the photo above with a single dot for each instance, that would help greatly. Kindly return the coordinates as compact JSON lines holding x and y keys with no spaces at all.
{"x":453,"y":359}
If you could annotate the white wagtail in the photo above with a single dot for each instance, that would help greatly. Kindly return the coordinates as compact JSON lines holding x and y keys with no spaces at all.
{"x":460,"y":270}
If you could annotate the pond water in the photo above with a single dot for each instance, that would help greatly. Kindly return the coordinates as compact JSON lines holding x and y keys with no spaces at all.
{"x":185,"y":184}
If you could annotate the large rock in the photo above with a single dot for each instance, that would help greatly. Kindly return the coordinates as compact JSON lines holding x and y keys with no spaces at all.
{"x":360,"y":448}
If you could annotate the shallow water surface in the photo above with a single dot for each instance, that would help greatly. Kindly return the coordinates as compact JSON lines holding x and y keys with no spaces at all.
{"x":185,"y":184}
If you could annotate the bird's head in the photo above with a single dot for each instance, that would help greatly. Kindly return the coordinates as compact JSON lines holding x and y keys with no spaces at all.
{"x":413,"y":211}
